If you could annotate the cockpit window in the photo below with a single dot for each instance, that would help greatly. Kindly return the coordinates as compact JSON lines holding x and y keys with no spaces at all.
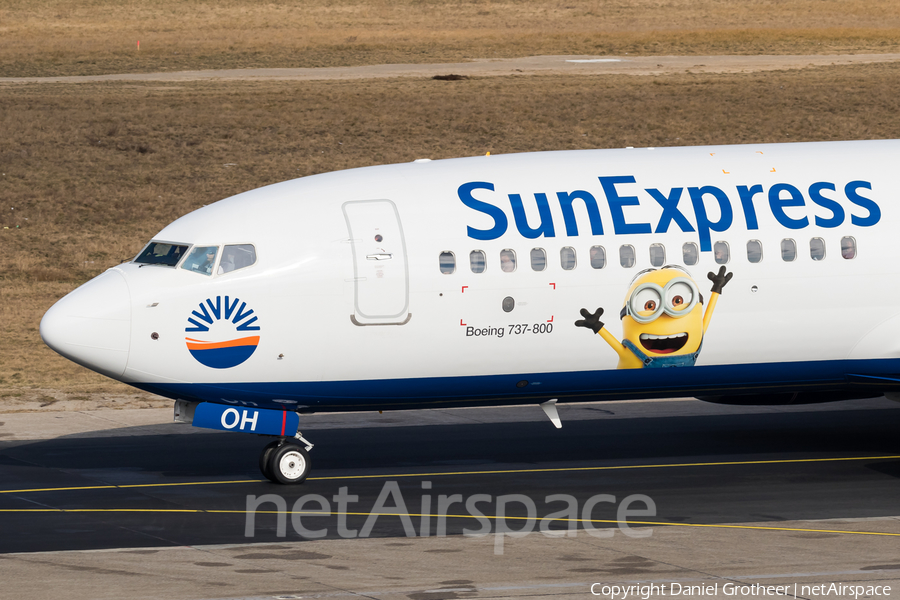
{"x":162,"y":253}
{"x":202,"y":259}
{"x":237,"y":256}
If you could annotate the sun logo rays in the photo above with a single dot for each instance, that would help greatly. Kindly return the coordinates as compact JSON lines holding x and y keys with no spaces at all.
{"x":221,"y":321}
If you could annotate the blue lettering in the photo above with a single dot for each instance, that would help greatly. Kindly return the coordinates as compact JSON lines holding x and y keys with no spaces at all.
{"x":670,"y":210}
{"x":546,"y":227}
{"x":565,"y":203}
{"x":617,"y":203}
{"x":781,"y":198}
{"x":778,"y":204}
{"x":704,"y":225}
{"x":874,"y":212}
{"x":746,"y":195}
{"x":837,"y":211}
{"x":500,"y":221}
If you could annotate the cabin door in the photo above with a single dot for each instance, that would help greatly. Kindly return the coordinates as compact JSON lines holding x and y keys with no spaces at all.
{"x":380,"y":270}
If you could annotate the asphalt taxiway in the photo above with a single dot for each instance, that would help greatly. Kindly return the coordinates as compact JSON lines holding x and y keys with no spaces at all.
{"x":92,"y":502}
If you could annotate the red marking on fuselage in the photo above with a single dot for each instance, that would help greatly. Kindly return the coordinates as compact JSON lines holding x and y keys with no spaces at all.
{"x":461,"y":324}
{"x":283,"y":420}
{"x":554,"y":285}
{"x":551,"y":319}
{"x":464,"y":289}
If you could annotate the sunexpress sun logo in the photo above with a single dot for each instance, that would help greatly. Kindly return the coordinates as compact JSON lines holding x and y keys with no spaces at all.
{"x":221,"y":322}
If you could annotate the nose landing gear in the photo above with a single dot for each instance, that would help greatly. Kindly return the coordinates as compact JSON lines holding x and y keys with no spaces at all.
{"x":286,"y":461}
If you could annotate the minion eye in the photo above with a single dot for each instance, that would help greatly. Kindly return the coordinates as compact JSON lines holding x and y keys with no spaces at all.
{"x":646,"y":302}
{"x":679,"y":296}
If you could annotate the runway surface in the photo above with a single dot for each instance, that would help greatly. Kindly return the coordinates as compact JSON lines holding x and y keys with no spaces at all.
{"x":172,"y":485}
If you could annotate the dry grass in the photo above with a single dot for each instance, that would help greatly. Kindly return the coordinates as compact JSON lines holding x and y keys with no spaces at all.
{"x":92,"y":171}
{"x":83,"y":37}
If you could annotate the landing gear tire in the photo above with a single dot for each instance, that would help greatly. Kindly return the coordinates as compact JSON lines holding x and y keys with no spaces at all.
{"x":265,"y":460}
{"x":289,"y":464}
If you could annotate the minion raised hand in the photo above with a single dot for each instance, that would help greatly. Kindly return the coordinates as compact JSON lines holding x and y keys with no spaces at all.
{"x":662,"y":321}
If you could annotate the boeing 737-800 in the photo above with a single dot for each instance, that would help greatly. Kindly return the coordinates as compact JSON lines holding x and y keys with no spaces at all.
{"x":736,"y":274}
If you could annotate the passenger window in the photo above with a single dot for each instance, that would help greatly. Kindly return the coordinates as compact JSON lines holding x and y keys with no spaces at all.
{"x":817,"y":248}
{"x":567,"y":258}
{"x":626,"y":256}
{"x":507,"y":260}
{"x":477,"y":261}
{"x":722,"y":253}
{"x":202,"y":259}
{"x":657,"y":255}
{"x":848,"y":247}
{"x":690,"y":253}
{"x":754,"y":251}
{"x":448,"y":262}
{"x":237,"y":256}
{"x":598,"y":257}
{"x":538,"y":259}
{"x":788,"y":250}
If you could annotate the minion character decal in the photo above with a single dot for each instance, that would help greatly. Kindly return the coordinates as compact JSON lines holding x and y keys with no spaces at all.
{"x":663,"y":322}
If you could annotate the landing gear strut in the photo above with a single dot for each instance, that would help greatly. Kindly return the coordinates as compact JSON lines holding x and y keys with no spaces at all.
{"x":286,"y":461}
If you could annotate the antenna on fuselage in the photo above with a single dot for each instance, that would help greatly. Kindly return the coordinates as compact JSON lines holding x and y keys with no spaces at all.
{"x":550,"y":408}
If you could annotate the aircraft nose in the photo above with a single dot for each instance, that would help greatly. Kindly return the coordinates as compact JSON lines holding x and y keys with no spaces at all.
{"x":92,"y":325}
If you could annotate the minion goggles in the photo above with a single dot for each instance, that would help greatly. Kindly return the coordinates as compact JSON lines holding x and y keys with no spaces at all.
{"x":660,"y":295}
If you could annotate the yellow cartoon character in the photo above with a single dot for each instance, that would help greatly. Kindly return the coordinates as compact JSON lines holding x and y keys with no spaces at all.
{"x":663,"y":322}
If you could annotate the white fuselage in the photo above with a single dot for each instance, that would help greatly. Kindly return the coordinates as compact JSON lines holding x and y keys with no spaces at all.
{"x":364,"y":293}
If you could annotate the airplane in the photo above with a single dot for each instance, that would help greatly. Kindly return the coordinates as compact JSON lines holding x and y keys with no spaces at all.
{"x":745,"y":274}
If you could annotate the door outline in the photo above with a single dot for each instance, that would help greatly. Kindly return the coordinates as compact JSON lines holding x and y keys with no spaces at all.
{"x":359,"y":317}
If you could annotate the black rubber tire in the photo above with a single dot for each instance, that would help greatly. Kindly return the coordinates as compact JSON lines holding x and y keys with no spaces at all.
{"x":289,"y":464}
{"x":265,"y":460}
